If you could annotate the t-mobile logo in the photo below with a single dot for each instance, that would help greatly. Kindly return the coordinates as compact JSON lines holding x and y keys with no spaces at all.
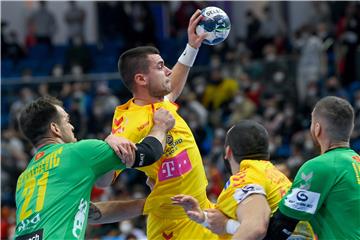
{"x":175,"y":167}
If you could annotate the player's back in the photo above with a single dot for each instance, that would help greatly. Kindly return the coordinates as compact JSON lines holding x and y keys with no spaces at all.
{"x":342,"y":191}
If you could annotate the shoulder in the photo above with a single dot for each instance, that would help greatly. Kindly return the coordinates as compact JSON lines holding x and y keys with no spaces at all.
{"x":321,"y":163}
{"x":88,"y":144}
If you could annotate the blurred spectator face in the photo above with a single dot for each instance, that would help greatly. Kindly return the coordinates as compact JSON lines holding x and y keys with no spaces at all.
{"x":126,"y":227}
{"x":332,"y":84}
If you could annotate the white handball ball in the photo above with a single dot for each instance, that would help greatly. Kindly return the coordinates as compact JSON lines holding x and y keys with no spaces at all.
{"x":215,"y":23}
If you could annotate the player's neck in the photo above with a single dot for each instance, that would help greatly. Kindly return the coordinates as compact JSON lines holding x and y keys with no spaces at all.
{"x":145,"y":100}
{"x":330,"y":145}
{"x":46,"y":141}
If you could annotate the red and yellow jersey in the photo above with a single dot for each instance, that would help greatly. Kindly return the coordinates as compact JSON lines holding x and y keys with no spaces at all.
{"x":258,"y":177}
{"x":255,"y":176}
{"x":180,"y":169}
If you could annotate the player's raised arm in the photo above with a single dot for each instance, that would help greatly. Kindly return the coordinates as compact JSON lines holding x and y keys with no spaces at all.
{"x":181,"y":69}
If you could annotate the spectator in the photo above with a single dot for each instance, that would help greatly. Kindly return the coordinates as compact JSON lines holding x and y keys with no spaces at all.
{"x":78,"y":55}
{"x":13,"y":49}
{"x":310,"y":64}
{"x":271,"y":25}
{"x":44,"y":24}
{"x":75,"y":18}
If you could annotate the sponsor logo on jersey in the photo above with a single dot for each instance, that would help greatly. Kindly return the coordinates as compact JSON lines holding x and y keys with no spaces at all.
{"x":39,"y":155}
{"x":79,"y":219}
{"x":118,"y":127}
{"x":142,"y":126}
{"x":242,"y":193}
{"x":307,"y":180}
{"x":302,"y":200}
{"x":172,"y":145}
{"x":174,"y":167}
{"x":28,"y":223}
{"x":37,"y":235}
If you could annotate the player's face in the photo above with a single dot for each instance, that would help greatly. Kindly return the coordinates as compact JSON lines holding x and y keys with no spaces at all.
{"x":67,"y":130}
{"x":159,"y":82}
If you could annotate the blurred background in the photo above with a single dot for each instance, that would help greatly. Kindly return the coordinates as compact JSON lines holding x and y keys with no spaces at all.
{"x":279,"y":59}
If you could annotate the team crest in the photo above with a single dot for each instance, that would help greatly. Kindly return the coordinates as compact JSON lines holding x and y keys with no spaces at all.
{"x":169,"y":139}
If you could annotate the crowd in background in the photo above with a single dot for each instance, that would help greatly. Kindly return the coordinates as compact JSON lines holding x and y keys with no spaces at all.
{"x":270,"y":76}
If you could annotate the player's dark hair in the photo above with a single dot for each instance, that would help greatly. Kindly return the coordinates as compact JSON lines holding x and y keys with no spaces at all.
{"x":134,"y":61}
{"x":248,"y":140}
{"x":338,"y":115}
{"x":35,"y":118}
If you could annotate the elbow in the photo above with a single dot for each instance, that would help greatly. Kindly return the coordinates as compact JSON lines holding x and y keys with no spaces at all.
{"x":261,"y":228}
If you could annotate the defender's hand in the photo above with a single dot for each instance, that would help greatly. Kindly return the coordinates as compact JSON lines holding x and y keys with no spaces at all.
{"x":217,"y":221}
{"x":124,"y":148}
{"x":194,"y":39}
{"x":164,"y":119}
{"x":191,"y":207}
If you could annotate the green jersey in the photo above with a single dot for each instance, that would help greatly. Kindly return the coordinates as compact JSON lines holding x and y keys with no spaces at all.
{"x":326,"y":192}
{"x":53,"y":193}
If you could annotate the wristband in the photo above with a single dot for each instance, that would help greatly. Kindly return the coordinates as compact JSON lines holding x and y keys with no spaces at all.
{"x":232,"y":226}
{"x":205,"y":222}
{"x":188,"y":56}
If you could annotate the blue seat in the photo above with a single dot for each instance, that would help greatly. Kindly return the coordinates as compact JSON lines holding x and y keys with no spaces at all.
{"x":7,"y":66}
{"x":39,"y":51}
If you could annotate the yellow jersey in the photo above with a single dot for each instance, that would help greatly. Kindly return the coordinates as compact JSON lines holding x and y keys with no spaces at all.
{"x":179,"y":171}
{"x":257,"y":177}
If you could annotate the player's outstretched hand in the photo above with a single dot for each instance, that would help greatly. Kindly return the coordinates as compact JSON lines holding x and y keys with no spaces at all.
{"x":191,"y":207}
{"x":194,"y":39}
{"x":124,"y":148}
{"x":164,"y":119}
{"x":216,"y":221}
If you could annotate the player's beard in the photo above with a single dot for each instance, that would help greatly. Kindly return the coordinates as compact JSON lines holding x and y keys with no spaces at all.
{"x":163,"y":91}
{"x":316,"y":143}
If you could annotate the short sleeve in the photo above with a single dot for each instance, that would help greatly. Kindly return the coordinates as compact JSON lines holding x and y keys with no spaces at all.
{"x":310,"y":188}
{"x":98,"y":155}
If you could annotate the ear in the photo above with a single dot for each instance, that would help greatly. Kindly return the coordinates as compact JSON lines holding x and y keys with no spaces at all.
{"x":140,"y":79}
{"x":55,"y":130}
{"x":317,"y":129}
{"x":228,"y":152}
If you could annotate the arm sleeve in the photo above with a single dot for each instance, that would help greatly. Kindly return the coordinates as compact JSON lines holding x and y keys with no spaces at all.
{"x":99,"y":156}
{"x":148,"y":151}
{"x":309,"y":190}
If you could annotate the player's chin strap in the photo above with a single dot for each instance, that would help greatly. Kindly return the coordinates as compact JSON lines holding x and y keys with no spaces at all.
{"x":280,"y":227}
{"x":188,"y":56}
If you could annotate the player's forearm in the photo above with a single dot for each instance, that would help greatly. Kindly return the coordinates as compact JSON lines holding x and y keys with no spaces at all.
{"x":114,"y":211}
{"x":251,"y":230}
{"x":159,"y":133}
{"x":179,"y":76}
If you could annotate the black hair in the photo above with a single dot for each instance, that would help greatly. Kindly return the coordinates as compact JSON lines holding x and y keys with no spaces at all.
{"x":248,"y":140}
{"x":338,"y":115}
{"x":35,"y":118}
{"x":134,"y":61}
